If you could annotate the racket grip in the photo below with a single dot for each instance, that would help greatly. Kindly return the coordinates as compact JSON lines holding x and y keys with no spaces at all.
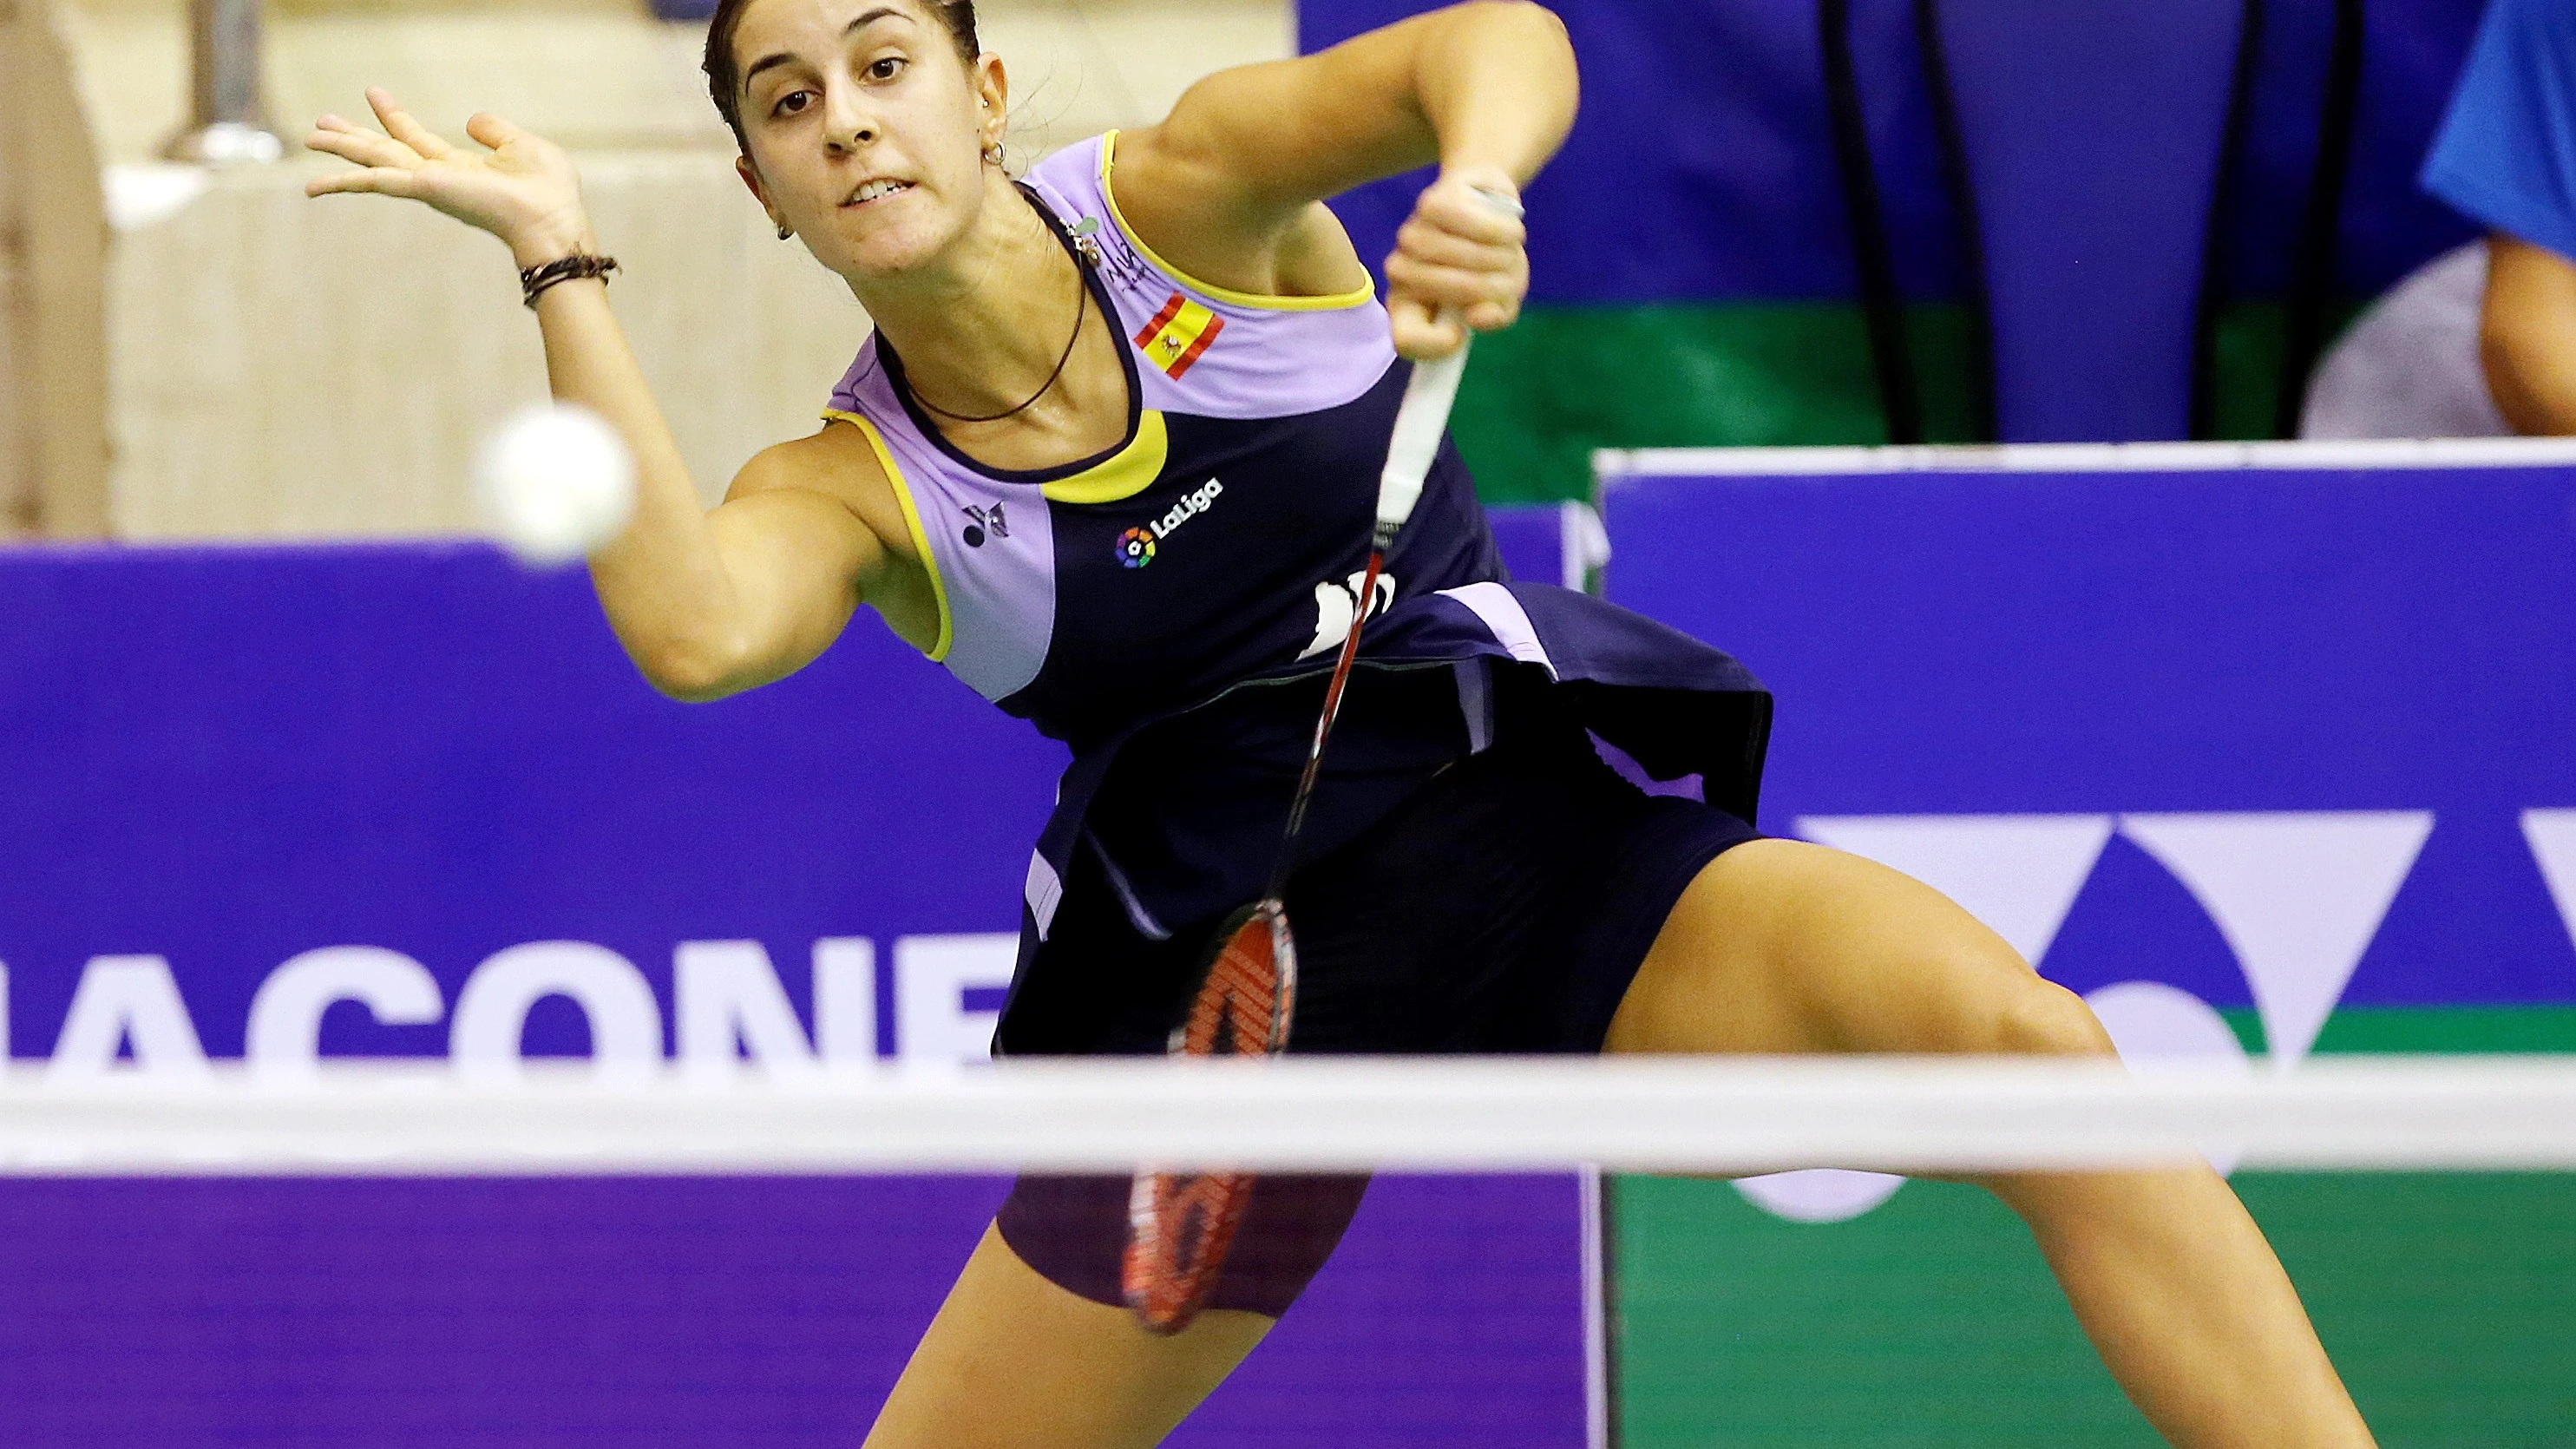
{"x":1419,"y":423}
{"x":1424,"y":414}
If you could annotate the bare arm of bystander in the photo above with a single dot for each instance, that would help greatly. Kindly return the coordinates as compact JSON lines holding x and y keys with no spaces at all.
{"x":2527,"y":337}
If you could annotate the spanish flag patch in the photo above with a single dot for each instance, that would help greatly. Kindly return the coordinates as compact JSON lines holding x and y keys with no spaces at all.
{"x":1179,"y":335}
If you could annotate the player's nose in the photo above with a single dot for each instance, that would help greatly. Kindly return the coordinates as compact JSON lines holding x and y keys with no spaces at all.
{"x":849,"y":123}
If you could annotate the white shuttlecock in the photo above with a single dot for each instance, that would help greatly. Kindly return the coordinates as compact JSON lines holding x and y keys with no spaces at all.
{"x":557,"y":482}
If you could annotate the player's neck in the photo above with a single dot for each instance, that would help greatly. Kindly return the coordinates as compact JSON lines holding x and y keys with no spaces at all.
{"x":984,"y":328}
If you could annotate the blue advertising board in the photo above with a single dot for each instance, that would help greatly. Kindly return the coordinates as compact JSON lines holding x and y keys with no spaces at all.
{"x":2286,"y":729}
{"x":2269,"y":751}
{"x":413,"y":801}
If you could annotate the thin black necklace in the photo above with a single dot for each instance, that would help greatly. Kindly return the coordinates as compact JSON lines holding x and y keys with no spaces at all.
{"x":1081,"y":310}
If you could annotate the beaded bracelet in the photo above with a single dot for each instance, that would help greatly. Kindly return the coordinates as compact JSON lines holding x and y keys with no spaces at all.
{"x":533,"y":281}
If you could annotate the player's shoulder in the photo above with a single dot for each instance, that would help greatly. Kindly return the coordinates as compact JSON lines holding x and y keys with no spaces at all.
{"x":838,"y":471}
{"x":837,"y":458}
{"x":1186,"y":208}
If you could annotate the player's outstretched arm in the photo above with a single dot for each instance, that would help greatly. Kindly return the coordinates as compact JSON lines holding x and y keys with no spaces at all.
{"x":1230,"y":185}
{"x":707,"y":604}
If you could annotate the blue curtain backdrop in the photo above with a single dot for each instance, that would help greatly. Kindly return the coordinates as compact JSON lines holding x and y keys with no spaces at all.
{"x":1701,"y":169}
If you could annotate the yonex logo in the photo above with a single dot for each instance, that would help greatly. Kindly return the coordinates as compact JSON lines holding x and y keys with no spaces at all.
{"x":1335,"y":603}
{"x":1136,"y":545}
{"x":2298,"y":897}
{"x":985,"y":520}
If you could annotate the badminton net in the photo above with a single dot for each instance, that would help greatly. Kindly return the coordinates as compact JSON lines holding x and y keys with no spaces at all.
{"x":386,"y":1253}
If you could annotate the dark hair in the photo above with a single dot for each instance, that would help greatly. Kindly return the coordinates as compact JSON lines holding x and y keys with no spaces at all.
{"x":724,"y":78}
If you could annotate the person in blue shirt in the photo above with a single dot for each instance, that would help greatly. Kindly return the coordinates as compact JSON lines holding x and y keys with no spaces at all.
{"x":2506,"y":157}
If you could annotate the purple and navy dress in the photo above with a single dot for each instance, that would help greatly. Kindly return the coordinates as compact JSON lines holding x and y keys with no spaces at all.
{"x":1472,"y":876}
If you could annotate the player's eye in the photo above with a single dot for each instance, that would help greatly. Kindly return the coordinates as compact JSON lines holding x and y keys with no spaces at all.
{"x":886,"y":68}
{"x":792,"y":103}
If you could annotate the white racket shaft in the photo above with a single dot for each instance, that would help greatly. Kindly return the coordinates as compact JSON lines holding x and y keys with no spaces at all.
{"x":1419,"y":422}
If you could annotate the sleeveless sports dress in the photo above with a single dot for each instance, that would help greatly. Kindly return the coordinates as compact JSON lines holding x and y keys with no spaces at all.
{"x":1472,"y":876}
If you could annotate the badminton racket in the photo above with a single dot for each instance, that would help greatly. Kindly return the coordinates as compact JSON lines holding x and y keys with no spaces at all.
{"x":1180,"y":1224}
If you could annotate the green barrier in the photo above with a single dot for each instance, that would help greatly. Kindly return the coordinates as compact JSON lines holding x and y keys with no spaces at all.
{"x":1566,"y":380}
{"x":2448,"y":1300}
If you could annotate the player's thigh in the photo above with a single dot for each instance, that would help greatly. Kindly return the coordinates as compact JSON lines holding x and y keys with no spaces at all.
{"x":1780,"y":946}
{"x":1014,"y":1362}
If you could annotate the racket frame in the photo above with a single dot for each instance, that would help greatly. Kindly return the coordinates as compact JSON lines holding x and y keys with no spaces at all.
{"x":1181,"y":1225}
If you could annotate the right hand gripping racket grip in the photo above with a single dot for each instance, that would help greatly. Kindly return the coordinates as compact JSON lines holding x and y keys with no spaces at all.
{"x":1422,"y":418}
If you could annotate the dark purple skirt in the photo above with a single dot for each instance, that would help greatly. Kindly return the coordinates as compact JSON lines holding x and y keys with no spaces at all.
{"x":1503,"y":908}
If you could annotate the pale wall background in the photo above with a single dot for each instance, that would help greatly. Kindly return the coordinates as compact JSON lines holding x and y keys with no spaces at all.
{"x":53,"y":333}
{"x":279,"y":367}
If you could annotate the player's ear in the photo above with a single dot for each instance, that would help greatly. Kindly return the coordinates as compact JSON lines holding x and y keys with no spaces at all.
{"x":750,"y":175}
{"x":992,"y":91}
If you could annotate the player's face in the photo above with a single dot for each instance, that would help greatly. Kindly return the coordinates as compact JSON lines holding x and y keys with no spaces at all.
{"x":867,"y":131}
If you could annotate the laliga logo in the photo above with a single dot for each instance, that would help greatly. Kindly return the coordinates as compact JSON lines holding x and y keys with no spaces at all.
{"x":1136,"y":545}
{"x":2297,"y":896}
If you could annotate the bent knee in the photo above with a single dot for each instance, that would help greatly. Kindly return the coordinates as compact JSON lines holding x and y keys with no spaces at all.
{"x":2043,"y":1018}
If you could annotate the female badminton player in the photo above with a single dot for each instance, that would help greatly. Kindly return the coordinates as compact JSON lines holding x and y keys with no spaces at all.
{"x":1111,"y":455}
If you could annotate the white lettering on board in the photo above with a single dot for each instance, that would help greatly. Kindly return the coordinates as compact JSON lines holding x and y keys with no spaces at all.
{"x":285,"y":1033}
{"x":492,"y":1010}
{"x":130,"y":1002}
{"x":932,"y":975}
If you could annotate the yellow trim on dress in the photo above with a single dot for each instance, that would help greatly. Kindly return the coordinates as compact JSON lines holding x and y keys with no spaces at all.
{"x":1131,"y":472}
{"x":912,"y":521}
{"x":1355,"y":298}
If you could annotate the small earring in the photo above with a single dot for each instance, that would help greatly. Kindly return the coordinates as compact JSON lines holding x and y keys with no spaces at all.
{"x":784,"y":233}
{"x":993,"y":154}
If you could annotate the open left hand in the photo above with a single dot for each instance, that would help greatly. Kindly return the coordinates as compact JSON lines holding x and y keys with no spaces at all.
{"x":522,"y":189}
{"x":1460,"y":258}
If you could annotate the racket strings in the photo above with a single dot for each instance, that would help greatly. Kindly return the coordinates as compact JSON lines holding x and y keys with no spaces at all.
{"x":1246,"y":1004}
{"x":1180,"y":1226}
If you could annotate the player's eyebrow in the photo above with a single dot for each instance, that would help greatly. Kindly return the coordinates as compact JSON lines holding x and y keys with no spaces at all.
{"x":866,"y":19}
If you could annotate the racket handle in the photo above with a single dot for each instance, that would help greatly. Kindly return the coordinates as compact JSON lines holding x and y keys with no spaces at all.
{"x":1419,"y":422}
{"x":1424,"y":414}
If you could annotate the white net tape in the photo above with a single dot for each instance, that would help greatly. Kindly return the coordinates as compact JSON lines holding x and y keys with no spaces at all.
{"x":1723,"y":1116}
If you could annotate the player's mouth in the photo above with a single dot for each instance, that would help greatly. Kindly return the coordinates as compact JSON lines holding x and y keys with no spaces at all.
{"x":877,"y":190}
